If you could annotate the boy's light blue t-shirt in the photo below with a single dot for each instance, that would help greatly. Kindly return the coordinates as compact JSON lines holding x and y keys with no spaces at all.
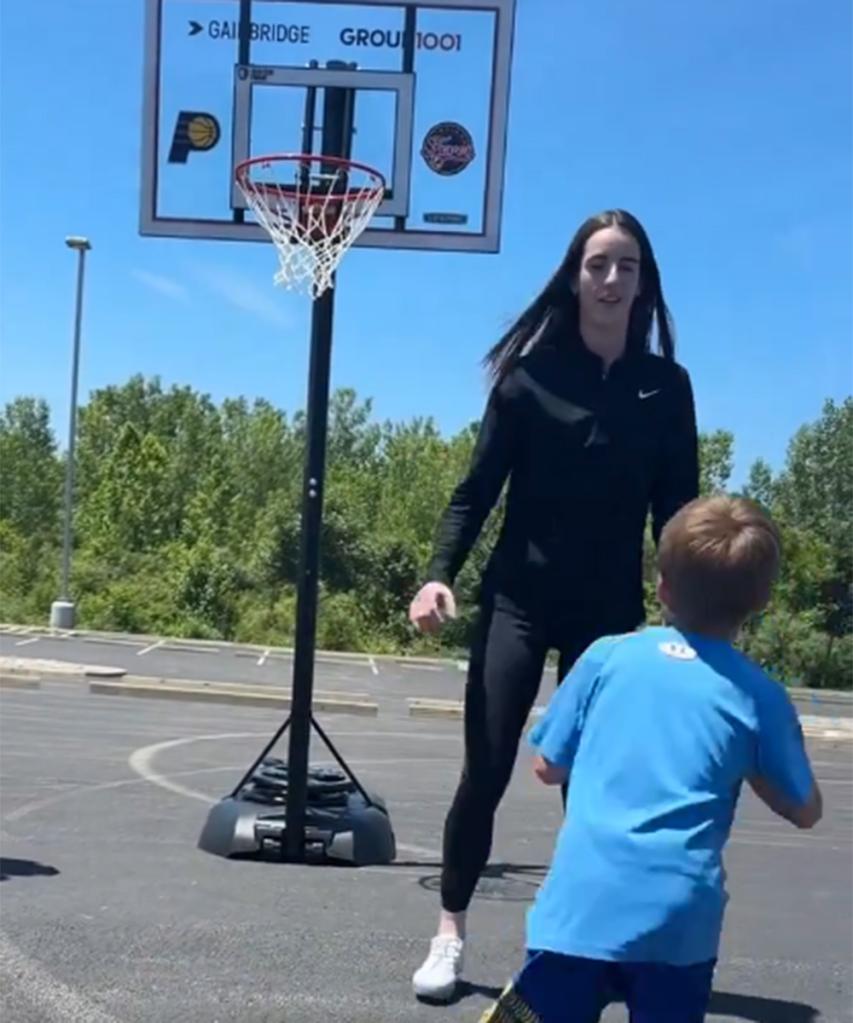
{"x":659,"y":728}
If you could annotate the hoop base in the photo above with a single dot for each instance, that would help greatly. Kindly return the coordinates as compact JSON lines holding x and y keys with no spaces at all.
{"x":354,"y":832}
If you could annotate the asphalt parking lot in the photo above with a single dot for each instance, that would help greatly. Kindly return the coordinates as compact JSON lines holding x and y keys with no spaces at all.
{"x":110,"y":914}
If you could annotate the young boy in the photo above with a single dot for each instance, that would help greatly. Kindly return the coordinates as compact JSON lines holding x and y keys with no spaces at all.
{"x":656,"y":731}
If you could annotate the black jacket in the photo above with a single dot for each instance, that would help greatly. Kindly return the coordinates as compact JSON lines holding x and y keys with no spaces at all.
{"x":587,"y":456}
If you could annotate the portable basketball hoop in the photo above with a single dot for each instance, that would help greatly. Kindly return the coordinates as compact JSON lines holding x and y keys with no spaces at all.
{"x":313,"y":206}
{"x":314,"y":201}
{"x":316,"y":217}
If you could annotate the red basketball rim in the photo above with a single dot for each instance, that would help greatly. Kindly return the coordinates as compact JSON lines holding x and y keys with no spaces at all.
{"x":243,"y":169}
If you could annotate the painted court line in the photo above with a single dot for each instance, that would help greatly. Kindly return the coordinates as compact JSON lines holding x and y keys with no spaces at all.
{"x":148,"y":649}
{"x":67,"y":793}
{"x":141,"y":761}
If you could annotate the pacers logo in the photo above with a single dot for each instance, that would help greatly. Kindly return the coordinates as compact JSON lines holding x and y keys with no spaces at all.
{"x":448,"y":148}
{"x":194,"y":131}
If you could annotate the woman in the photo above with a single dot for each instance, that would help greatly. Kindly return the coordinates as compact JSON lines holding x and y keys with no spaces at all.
{"x":592,"y":431}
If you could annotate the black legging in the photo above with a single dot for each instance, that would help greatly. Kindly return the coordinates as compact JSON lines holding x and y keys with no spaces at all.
{"x":507,"y":658}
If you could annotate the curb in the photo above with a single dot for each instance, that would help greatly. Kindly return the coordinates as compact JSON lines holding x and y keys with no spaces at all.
{"x":827,"y":728}
{"x":453,"y":710}
{"x":44,"y":667}
{"x":279,"y":692}
{"x":204,"y":692}
{"x":821,"y":725}
{"x":813,"y":726}
{"x":453,"y":662}
{"x":421,"y":707}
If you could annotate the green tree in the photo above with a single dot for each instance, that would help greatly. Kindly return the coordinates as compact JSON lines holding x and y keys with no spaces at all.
{"x":31,"y":486}
{"x":806,"y":634}
{"x":186,"y":427}
{"x":30,"y":470}
{"x":761,"y":486}
{"x":188,"y":523}
{"x":814,"y":496}
{"x":815,"y":489}
{"x":126,"y":512}
{"x":716,"y":456}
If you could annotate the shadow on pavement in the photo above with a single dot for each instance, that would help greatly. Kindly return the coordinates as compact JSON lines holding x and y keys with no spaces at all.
{"x":756,"y":1009}
{"x":24,"y":868}
{"x":465,"y":989}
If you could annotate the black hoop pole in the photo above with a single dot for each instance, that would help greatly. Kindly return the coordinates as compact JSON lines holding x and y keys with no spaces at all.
{"x":410,"y":26}
{"x":244,"y":58}
{"x":306,"y":597}
{"x":308,"y":129}
{"x":336,"y":141}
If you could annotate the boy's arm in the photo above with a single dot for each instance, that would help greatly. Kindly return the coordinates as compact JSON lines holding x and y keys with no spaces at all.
{"x":556,"y":736}
{"x":783,"y":778}
{"x":548,"y":773}
{"x":804,"y":815}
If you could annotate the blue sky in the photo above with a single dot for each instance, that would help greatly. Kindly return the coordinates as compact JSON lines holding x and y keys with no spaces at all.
{"x":726,"y":127}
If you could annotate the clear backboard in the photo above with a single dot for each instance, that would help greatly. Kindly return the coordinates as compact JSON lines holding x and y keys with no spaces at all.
{"x":226,"y":80}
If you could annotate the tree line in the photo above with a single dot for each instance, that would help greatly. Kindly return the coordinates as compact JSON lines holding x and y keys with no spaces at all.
{"x":186,"y":523}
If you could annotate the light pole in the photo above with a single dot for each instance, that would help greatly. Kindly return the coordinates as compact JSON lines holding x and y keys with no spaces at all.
{"x":62,"y":610}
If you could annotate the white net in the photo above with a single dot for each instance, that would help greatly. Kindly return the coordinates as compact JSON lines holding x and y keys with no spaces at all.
{"x":313,"y":220}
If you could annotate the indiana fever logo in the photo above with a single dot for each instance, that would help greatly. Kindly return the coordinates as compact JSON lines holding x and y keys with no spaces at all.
{"x":447,"y":148}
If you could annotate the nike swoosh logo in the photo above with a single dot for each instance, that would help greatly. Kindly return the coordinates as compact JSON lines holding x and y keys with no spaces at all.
{"x":647,"y":394}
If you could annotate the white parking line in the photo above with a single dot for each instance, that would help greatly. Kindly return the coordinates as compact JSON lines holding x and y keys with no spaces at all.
{"x":148,"y":649}
{"x":262,"y":659}
{"x":372,"y":664}
{"x":26,"y":642}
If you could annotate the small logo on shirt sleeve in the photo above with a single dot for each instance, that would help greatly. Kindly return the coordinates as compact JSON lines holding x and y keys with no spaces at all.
{"x":680,"y":651}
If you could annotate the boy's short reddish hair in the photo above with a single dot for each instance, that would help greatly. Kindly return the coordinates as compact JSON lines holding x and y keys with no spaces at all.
{"x":719,"y":557}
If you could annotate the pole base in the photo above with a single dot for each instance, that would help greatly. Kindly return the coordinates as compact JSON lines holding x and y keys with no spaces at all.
{"x":62,"y":614}
{"x":341,"y":826}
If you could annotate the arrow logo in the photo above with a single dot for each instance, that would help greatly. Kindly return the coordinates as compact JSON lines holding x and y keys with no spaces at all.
{"x":195,"y":28}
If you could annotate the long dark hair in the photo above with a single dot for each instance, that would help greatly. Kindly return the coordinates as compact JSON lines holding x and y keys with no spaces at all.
{"x":558,"y":303}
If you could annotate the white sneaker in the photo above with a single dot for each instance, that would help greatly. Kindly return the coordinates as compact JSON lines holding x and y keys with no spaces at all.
{"x":441,"y":969}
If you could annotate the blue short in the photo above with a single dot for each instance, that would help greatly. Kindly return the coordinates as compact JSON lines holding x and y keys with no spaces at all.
{"x":554,"y":988}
